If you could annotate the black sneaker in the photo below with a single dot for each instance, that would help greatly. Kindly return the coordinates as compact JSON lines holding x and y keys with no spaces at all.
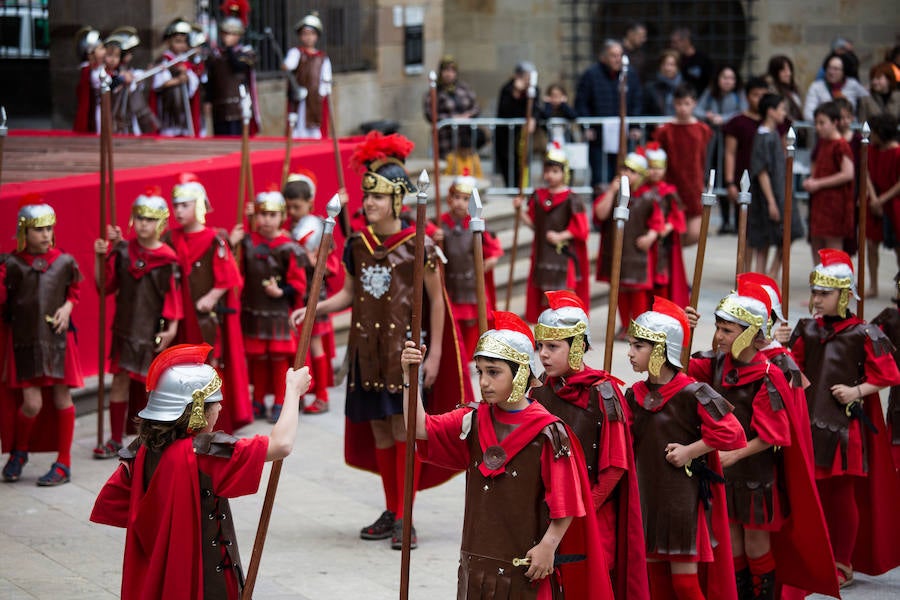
{"x":57,"y":475}
{"x":13,"y":469}
{"x":397,"y":536}
{"x":381,"y":529}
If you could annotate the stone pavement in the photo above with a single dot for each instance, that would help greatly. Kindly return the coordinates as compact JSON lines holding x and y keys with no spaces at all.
{"x":49,"y":549}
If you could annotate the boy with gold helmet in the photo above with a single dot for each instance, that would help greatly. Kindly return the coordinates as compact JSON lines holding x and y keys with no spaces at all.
{"x":174,"y":481}
{"x":40,"y":287}
{"x":848,"y":362}
{"x":527,"y":492}
{"x":311,"y":67}
{"x":682,"y":496}
{"x":142,"y":272}
{"x":590,"y":402}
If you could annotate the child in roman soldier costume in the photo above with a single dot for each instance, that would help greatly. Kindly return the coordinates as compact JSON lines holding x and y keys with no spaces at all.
{"x":40,"y":286}
{"x":274,"y":284}
{"x":210,"y":286}
{"x":559,"y":250}
{"x":142,"y":272}
{"x":91,"y":53}
{"x":379,"y":263}
{"x":642,"y":229}
{"x":527,"y":491}
{"x":590,"y":402}
{"x":228,"y":67}
{"x":299,"y":193}
{"x":130,"y":111}
{"x":670,"y":276}
{"x":848,"y":362}
{"x":311,"y":68}
{"x":682,"y":496}
{"x":175,"y":89}
{"x":456,"y":238}
{"x":777,"y":532}
{"x":171,"y":490}
{"x":889,"y":321}
{"x":308,"y":234}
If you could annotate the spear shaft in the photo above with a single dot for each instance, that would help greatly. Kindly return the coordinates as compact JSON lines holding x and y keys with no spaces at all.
{"x":476,"y":223}
{"x":787,"y":219}
{"x":101,"y":276}
{"x":620,"y":214}
{"x":338,"y":165}
{"x":708,"y":198}
{"x":3,"y":131}
{"x":744,"y":198}
{"x":435,"y":142}
{"x":623,"y":111}
{"x":863,"y":210}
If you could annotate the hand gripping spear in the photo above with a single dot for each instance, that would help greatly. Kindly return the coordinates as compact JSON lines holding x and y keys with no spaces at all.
{"x":523,"y":172}
{"x":863,"y":209}
{"x":620,"y":214}
{"x":435,"y":142}
{"x":476,"y":224}
{"x":338,"y":164}
{"x":708,"y":199}
{"x":3,"y":132}
{"x":786,"y":222}
{"x":743,"y":201}
{"x":623,"y":94}
{"x":333,"y":208}
{"x":413,"y":396}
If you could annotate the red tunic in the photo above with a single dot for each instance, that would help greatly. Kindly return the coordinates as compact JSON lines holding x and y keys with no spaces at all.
{"x":491,"y":249}
{"x":565,"y":483}
{"x":163,"y":556}
{"x":884,"y":171}
{"x":831,"y":210}
{"x":85,"y":102}
{"x":670,"y":279}
{"x":686,"y":146}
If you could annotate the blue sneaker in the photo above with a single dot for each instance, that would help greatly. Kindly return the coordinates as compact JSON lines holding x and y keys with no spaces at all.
{"x":57,"y":475}
{"x":13,"y":469}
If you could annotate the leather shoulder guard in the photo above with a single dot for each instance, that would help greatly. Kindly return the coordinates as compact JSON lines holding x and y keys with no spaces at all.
{"x":611,"y":404}
{"x":704,"y":354}
{"x":798,"y":331}
{"x":881,"y":344}
{"x":789,"y":367}
{"x":217,"y":443}
{"x":559,"y":439}
{"x":710,"y":400}
{"x":130,"y":451}
{"x":775,"y":399}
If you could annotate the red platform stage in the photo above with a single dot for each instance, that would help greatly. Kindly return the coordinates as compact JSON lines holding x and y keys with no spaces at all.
{"x":64,"y":168}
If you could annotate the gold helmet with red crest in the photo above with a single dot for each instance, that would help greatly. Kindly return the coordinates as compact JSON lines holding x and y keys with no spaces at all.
{"x":510,"y":340}
{"x":179,"y":377}
{"x":835,"y":272}
{"x":566,"y":319}
{"x":384,"y":157}
{"x":750,"y":309}
{"x":33,"y":212}
{"x":666,"y":326}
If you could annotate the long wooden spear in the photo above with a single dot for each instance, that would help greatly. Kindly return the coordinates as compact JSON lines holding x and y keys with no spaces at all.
{"x":863,"y":210}
{"x":523,"y":176}
{"x":3,"y":131}
{"x":338,"y":164}
{"x":435,"y":142}
{"x":623,"y":113}
{"x":333,"y":208}
{"x":786,"y":221}
{"x":620,"y":214}
{"x":708,"y":198}
{"x":412,"y":398}
{"x":288,"y":144}
{"x":245,"y":173}
{"x":743,"y":201}
{"x":476,"y":224}
{"x":101,"y":276}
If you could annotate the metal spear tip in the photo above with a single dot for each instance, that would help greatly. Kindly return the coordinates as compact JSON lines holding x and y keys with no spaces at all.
{"x":475,"y":206}
{"x":865,"y":131}
{"x":626,"y":62}
{"x":423,"y":182}
{"x":2,"y":117}
{"x":712,"y":180}
{"x":745,"y":182}
{"x":333,"y":208}
{"x":242,"y":91}
{"x":624,"y":191}
{"x":432,"y":77}
{"x":791,"y":137}
{"x":292,"y":119}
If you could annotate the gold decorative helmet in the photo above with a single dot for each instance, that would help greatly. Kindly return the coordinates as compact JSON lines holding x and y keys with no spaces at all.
{"x":835,"y":272}
{"x":270,"y":200}
{"x":666,"y":326}
{"x":566,"y":319}
{"x":126,"y":37}
{"x":749,"y":309}
{"x":383,"y":157}
{"x":33,"y":212}
{"x":190,"y":189}
{"x":151,"y":205}
{"x":556,"y":155}
{"x":179,"y":377}
{"x":510,"y":340}
{"x":769,"y":285}
{"x":637,"y":162}
{"x":656,"y":156}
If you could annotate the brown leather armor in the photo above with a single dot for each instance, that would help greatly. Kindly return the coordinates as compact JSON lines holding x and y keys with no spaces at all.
{"x":35,"y":293}
{"x":669,"y":497}
{"x":664,"y":245}
{"x":459,"y":272}
{"x":139,"y":306}
{"x":750,"y":483}
{"x":382,"y":311}
{"x":841,"y":360}
{"x":262,"y":316}
{"x":518,"y":515}
{"x":172,"y":102}
{"x":586,"y":423}
{"x":200,"y":280}
{"x":634,"y":261}
{"x":889,"y":321}
{"x":224,"y":81}
{"x":308,"y":75}
{"x":551,"y":267}
{"x":787,"y":365}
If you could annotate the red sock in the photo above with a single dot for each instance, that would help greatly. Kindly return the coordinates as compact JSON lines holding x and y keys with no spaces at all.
{"x":624,"y":308}
{"x":740,"y":563}
{"x":401,"y":478}
{"x":279,"y":366}
{"x":687,"y":587}
{"x":384,"y":457}
{"x":838,"y":498}
{"x":259,"y":377}
{"x":660,"y":581}
{"x":762,"y":564}
{"x":24,"y":426}
{"x":470,"y":335}
{"x":64,"y":435}
{"x":321,"y":365}
{"x":118,"y":412}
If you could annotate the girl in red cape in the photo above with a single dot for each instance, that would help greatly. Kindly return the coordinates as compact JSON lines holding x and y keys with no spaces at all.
{"x":526,"y":480}
{"x":682,"y":496}
{"x":171,"y":489}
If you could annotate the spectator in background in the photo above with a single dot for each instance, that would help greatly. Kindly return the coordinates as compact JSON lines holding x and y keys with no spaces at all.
{"x":837,"y":84}
{"x":513,"y":103}
{"x":556,"y":106}
{"x":658,"y":94}
{"x":883,"y":98}
{"x":843,"y":47}
{"x":598,"y":96}
{"x":633,"y":46}
{"x":780,"y":76}
{"x":696,"y":67}
{"x":723,"y":98}
{"x":893,"y":56}
{"x":455,"y":99}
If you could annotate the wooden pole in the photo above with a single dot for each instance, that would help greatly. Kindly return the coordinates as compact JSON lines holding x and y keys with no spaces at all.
{"x":435,"y":142}
{"x":744,"y":198}
{"x":523,"y":170}
{"x":623,"y":113}
{"x":333,"y":208}
{"x":288,"y":144}
{"x":620,"y":214}
{"x":3,"y":131}
{"x":245,"y":171}
{"x":413,"y":396}
{"x":338,"y":165}
{"x":101,"y":276}
{"x":786,"y":221}
{"x":708,"y":199}
{"x":863,"y":210}
{"x":476,"y":223}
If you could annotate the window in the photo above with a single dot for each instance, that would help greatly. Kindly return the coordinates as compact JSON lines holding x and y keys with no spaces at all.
{"x":24,"y":29}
